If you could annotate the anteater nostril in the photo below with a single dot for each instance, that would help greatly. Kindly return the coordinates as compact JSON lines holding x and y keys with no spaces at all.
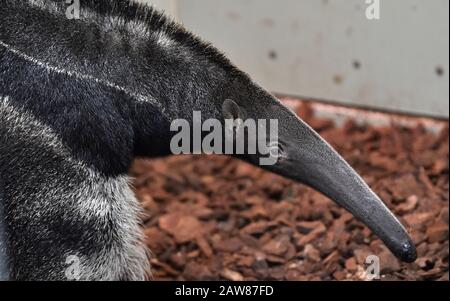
{"x":408,"y":252}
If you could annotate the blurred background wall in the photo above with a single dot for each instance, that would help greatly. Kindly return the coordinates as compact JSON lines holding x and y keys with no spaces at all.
{"x":329,"y":49}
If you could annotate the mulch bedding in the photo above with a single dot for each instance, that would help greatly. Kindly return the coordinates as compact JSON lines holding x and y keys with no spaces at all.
{"x":216,"y":218}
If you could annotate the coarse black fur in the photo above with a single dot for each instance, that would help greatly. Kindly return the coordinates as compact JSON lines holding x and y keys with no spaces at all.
{"x":177,"y":78}
{"x":120,"y":107}
{"x":80,"y":99}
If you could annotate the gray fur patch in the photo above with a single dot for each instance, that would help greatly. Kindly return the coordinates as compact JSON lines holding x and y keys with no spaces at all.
{"x":108,"y":204}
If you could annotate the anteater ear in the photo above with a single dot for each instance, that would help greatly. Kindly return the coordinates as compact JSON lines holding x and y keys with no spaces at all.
{"x":231,"y":110}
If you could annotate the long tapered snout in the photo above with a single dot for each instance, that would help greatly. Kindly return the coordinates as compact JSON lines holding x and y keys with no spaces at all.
{"x":304,"y":156}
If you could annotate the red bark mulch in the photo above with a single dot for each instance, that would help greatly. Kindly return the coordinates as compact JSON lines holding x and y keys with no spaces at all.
{"x":216,"y":218}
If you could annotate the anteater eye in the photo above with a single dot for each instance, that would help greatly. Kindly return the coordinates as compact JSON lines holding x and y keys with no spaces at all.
{"x":276,"y":150}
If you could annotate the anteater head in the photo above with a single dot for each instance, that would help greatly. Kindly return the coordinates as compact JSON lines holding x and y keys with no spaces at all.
{"x":302,"y":155}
